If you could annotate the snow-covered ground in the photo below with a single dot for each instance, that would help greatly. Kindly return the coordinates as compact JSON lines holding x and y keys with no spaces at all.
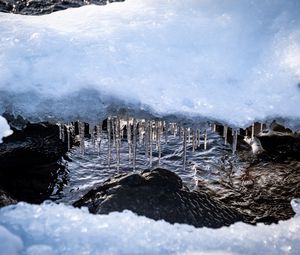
{"x":59,"y":229}
{"x":235,"y":61}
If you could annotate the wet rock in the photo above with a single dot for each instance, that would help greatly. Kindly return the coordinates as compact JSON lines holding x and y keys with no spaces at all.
{"x":158,"y":194}
{"x":6,"y":199}
{"x":29,"y":161}
{"x":281,"y":147}
{"x":39,"y":7}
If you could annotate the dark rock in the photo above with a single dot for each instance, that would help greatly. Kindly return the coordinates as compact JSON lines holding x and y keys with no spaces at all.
{"x":158,"y":194}
{"x":39,"y":7}
{"x":280,"y":148}
{"x":29,"y":161}
{"x":6,"y":199}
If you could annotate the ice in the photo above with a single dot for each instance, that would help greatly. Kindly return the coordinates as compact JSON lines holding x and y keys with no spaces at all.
{"x":184,"y":147}
{"x":134,"y":143}
{"x":234,"y":140}
{"x":150,"y":143}
{"x":225,"y":132}
{"x":4,"y":128}
{"x":296,"y":206}
{"x":60,"y":229}
{"x":109,"y":121}
{"x":118,"y":141}
{"x":235,"y":61}
{"x":205,"y":140}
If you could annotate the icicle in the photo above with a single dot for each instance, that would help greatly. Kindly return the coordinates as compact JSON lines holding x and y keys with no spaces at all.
{"x":194,"y":138}
{"x":93,"y":138}
{"x":234,"y":141}
{"x":252,"y":131}
{"x":147,"y":139}
{"x":184,"y":147}
{"x":134,"y":143}
{"x":62,"y":132}
{"x":141,"y":132}
{"x":150,"y":143}
{"x":129,"y":139}
{"x":261,"y":127}
{"x":81,"y":137}
{"x":122,"y":128}
{"x":198,"y":138}
{"x":189,"y":135}
{"x":158,"y":140}
{"x":59,"y":131}
{"x":225,"y":133}
{"x":113,"y":129}
{"x":205,"y":140}
{"x":118,"y":141}
{"x":156,"y":134}
{"x":214,"y":128}
{"x":68,"y":138}
{"x":109,"y":140}
{"x":99,"y":132}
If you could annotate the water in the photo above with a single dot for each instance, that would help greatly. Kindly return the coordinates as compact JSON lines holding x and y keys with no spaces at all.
{"x":95,"y":164}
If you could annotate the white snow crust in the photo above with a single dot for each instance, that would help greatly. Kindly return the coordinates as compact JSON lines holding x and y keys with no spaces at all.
{"x":235,"y":61}
{"x":4,"y":128}
{"x":59,"y":229}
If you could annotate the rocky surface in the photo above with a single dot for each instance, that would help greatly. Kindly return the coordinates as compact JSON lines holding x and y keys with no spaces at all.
{"x":29,"y":161}
{"x":6,"y":199}
{"x":158,"y":194}
{"x":269,"y":180}
{"x":39,"y":7}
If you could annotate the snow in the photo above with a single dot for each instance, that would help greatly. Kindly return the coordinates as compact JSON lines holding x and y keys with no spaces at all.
{"x":10,"y":244}
{"x":4,"y":128}
{"x":59,"y":229}
{"x":234,"y":61}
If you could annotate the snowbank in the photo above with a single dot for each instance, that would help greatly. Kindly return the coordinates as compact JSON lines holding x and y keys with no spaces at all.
{"x":236,"y":61}
{"x":59,"y":229}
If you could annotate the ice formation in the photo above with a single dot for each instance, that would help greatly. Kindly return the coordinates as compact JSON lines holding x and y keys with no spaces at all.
{"x":235,"y":61}
{"x":59,"y":229}
{"x":4,"y":128}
